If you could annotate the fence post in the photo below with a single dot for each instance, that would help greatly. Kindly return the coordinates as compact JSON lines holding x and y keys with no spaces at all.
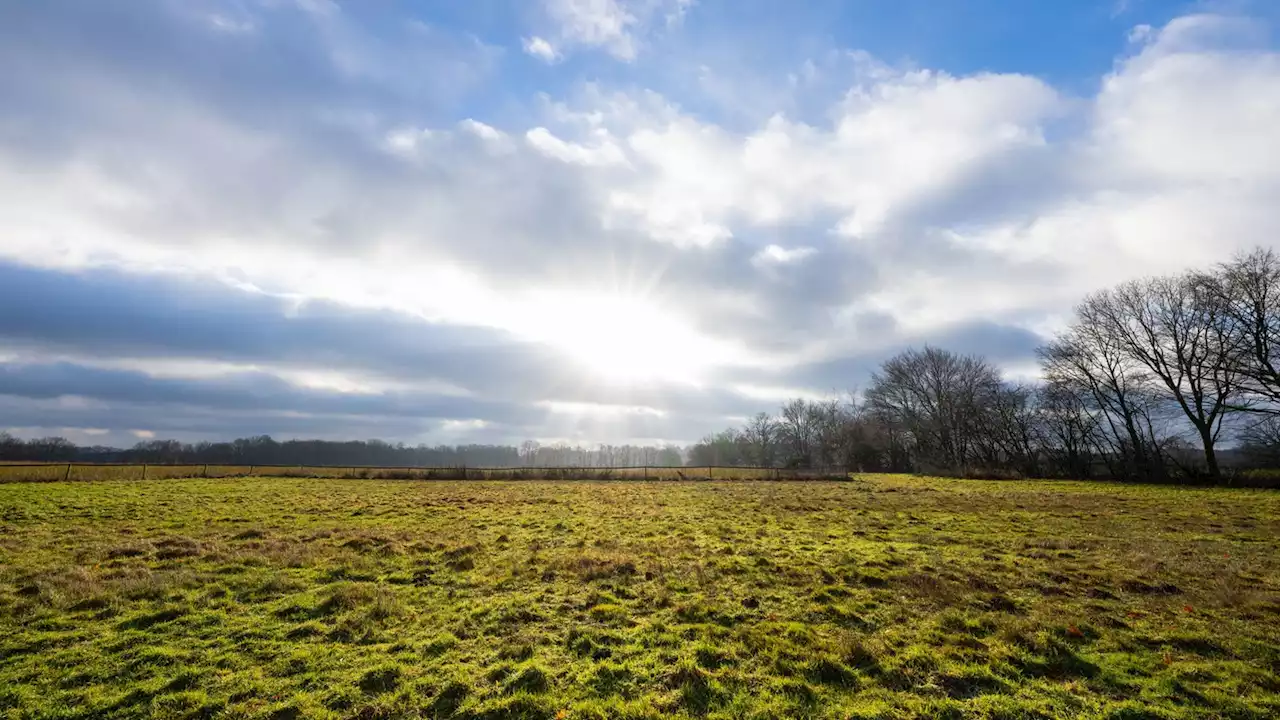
{"x":709,"y":472}
{"x":67,"y":475}
{"x":646,"y":472}
{"x":204,"y":470}
{"x":144,"y":471}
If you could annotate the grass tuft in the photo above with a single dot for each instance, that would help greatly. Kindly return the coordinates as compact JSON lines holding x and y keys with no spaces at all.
{"x":381,"y":679}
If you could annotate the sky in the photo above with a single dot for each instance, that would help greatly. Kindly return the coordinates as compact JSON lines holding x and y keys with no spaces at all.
{"x":588,"y":220}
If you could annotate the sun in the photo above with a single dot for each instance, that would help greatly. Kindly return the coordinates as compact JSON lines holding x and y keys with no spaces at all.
{"x":620,"y":338}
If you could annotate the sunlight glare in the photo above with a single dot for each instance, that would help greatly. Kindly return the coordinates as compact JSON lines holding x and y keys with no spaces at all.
{"x":620,"y":339}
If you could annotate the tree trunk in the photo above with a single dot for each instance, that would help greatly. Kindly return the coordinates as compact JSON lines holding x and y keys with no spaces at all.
{"x":1210,"y":455}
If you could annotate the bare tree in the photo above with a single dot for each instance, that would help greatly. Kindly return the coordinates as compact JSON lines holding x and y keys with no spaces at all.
{"x":851,"y":436}
{"x":798,"y":432}
{"x":1187,"y":342}
{"x":1246,"y":292}
{"x":940,"y":399}
{"x":829,"y":419}
{"x":1068,"y":429}
{"x":875,"y":446}
{"x":1260,"y":441}
{"x":1012,"y":437}
{"x":1090,"y":364}
{"x":761,"y":435}
{"x":529,"y":452}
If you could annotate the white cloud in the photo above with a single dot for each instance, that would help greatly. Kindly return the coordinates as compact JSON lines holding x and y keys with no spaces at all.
{"x":897,"y":139}
{"x":1175,"y":147}
{"x":605,"y":150}
{"x":461,"y":426}
{"x":541,"y":49}
{"x":493,"y":140}
{"x":1173,"y":170}
{"x":779,"y":395}
{"x":1188,"y":109}
{"x":232,"y":26}
{"x":617,"y":26}
{"x":581,"y":408}
{"x":1140,"y":33}
{"x":778,"y":255}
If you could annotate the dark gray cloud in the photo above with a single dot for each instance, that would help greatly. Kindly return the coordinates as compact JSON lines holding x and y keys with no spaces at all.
{"x":63,"y":394}
{"x":1007,"y":346}
{"x":146,"y":320}
{"x":107,"y":314}
{"x":242,"y":392}
{"x":57,"y":397}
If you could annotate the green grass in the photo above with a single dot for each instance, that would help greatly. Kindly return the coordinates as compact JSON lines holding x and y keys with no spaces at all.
{"x":889,"y":597}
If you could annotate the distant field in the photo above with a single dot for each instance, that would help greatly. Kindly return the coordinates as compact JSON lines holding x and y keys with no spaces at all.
{"x":888,"y":597}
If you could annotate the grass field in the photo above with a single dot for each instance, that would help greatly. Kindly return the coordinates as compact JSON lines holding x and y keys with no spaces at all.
{"x":886,"y":597}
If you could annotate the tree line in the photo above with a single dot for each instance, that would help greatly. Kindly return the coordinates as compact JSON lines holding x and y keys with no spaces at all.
{"x":264,"y":450}
{"x":1158,"y":379}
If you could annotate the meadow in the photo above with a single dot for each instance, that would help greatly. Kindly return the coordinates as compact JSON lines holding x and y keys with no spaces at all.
{"x":878,"y":597}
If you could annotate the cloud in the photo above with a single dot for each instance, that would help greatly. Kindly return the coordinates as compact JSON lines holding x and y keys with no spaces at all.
{"x":171,"y":354}
{"x":350,"y":212}
{"x":895,"y":139}
{"x":777,"y":255}
{"x":541,"y":49}
{"x":616,"y":26}
{"x":1010,"y":347}
{"x":1170,"y":171}
{"x":604,"y":153}
{"x":49,"y":396}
